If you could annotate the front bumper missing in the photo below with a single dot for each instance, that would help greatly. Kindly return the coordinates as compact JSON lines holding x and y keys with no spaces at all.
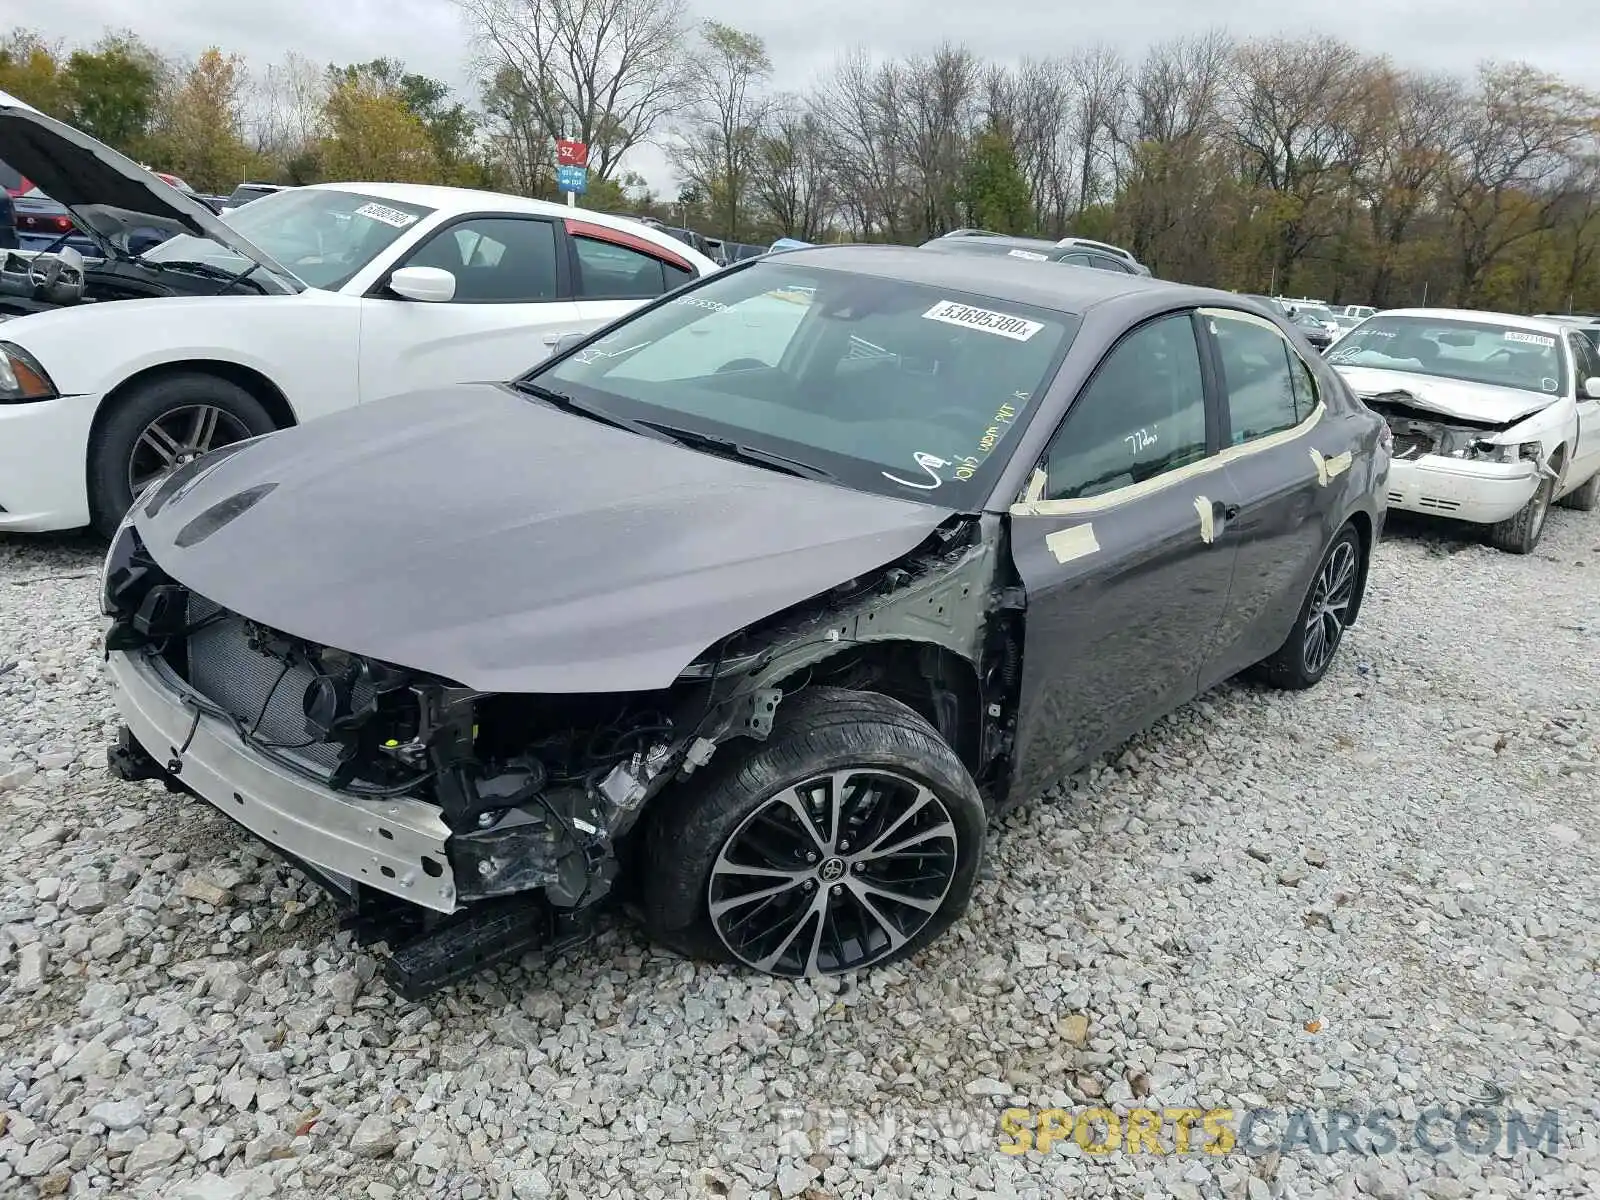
{"x":394,"y":845}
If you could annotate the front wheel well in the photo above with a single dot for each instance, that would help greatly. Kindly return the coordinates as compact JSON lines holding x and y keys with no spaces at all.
{"x":258,"y":385}
{"x":936,"y":683}
{"x":1362,"y":522}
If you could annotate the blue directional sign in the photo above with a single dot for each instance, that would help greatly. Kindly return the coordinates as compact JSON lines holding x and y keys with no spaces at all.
{"x":573,"y":179}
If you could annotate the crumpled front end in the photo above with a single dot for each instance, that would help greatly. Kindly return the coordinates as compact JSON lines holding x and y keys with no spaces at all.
{"x":375,"y":774}
{"x":1478,"y":471}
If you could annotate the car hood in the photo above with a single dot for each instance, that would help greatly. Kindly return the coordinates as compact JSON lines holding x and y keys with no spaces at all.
{"x":484,"y":537}
{"x":1450,"y":397}
{"x":107,"y":194}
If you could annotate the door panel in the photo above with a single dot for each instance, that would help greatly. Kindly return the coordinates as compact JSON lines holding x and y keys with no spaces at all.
{"x":1121,"y":547}
{"x":1285,"y":459}
{"x":1586,"y":456}
{"x":507,"y":313}
{"x":1117,"y":634}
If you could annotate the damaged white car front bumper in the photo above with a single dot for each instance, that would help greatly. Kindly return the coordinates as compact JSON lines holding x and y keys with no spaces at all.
{"x":1467,"y":490}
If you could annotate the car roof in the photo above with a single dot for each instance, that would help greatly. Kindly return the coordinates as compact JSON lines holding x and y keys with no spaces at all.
{"x":991,"y":239}
{"x":455,"y":201}
{"x":1045,"y":285}
{"x":1510,"y":320}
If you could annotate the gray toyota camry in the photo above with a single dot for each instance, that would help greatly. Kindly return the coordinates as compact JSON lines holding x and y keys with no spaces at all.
{"x":750,"y":611}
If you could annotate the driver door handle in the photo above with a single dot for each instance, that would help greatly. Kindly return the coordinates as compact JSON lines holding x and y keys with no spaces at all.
{"x":1214,"y":517}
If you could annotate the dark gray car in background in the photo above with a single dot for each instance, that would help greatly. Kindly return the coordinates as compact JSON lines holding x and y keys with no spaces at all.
{"x":753,"y":608}
{"x":1074,"y":251}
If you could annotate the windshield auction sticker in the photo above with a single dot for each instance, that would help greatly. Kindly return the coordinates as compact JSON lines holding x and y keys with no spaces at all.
{"x":1533,"y":339}
{"x":953,"y":313}
{"x":389,"y":216}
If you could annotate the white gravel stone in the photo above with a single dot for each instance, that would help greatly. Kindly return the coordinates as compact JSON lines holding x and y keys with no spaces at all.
{"x":1380,"y":892}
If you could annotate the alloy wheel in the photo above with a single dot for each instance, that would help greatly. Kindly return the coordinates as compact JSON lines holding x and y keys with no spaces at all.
{"x":177,"y":436}
{"x":1540,"y":511}
{"x":833,"y":874}
{"x":1330,"y":607}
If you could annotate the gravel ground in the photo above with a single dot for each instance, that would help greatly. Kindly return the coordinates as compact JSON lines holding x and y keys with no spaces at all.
{"x":1378,"y":896}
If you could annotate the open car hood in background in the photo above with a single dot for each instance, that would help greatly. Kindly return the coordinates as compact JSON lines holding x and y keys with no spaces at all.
{"x":107,"y":193}
{"x":477,"y":534}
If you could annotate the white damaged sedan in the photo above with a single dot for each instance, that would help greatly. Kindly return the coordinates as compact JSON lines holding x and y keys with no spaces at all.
{"x":1495,"y":417}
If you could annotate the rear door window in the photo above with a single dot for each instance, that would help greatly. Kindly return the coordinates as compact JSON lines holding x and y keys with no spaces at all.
{"x":1264,"y":395}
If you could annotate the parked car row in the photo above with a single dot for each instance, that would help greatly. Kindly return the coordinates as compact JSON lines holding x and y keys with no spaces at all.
{"x":750,"y":592}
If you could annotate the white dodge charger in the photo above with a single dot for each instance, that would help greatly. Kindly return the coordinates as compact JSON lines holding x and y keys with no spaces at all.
{"x":301,"y":303}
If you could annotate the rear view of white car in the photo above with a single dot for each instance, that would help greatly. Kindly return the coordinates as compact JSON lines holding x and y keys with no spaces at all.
{"x":302,"y":302}
{"x":1495,"y":417}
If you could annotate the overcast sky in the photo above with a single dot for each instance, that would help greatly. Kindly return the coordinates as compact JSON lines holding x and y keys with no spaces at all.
{"x":1556,"y":35}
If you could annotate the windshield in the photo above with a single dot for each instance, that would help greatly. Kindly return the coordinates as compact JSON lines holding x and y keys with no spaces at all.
{"x":888,"y":386}
{"x":1448,"y":348}
{"x":323,"y":235}
{"x":1315,"y":311}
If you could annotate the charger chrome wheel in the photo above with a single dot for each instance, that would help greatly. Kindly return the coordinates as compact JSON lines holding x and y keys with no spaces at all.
{"x":833,"y":874}
{"x":179,"y":436}
{"x":1329,"y":607}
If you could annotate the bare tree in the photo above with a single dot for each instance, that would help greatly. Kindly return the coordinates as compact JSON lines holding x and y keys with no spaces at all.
{"x":1402,"y":138}
{"x":606,"y":72}
{"x":725,"y":116}
{"x":940,"y":97}
{"x":1515,"y":146}
{"x":1290,"y":105}
{"x":860,"y":110}
{"x":1034,"y":103}
{"x":1099,"y":82}
{"x":1168,"y":152}
{"x":789,"y":180}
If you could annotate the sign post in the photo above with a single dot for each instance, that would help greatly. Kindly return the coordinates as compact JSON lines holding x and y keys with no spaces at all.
{"x":572,"y":169}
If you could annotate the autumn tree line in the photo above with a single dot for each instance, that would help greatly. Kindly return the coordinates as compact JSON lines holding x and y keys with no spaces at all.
{"x":1298,"y":165}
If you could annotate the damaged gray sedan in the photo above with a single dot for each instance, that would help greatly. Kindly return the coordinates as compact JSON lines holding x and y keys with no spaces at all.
{"x":750,"y":611}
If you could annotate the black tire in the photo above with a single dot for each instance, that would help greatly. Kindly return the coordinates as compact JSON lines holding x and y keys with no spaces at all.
{"x":1585,"y":498}
{"x":117,"y":436}
{"x":1521,"y":533}
{"x":1293,"y":667}
{"x":816,"y":732}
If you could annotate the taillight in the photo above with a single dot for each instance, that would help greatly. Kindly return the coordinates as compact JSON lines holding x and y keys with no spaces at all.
{"x":62,"y":224}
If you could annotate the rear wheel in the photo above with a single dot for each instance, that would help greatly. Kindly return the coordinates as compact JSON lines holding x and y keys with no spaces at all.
{"x":1308,"y":652}
{"x":1585,"y":498}
{"x":1521,"y":533}
{"x":159,"y":425}
{"x":849,"y":839}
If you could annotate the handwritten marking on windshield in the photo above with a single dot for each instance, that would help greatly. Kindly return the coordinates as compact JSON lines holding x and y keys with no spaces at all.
{"x":931,"y":463}
{"x":593,"y":354}
{"x":992,"y":435}
{"x":1141,"y":439}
